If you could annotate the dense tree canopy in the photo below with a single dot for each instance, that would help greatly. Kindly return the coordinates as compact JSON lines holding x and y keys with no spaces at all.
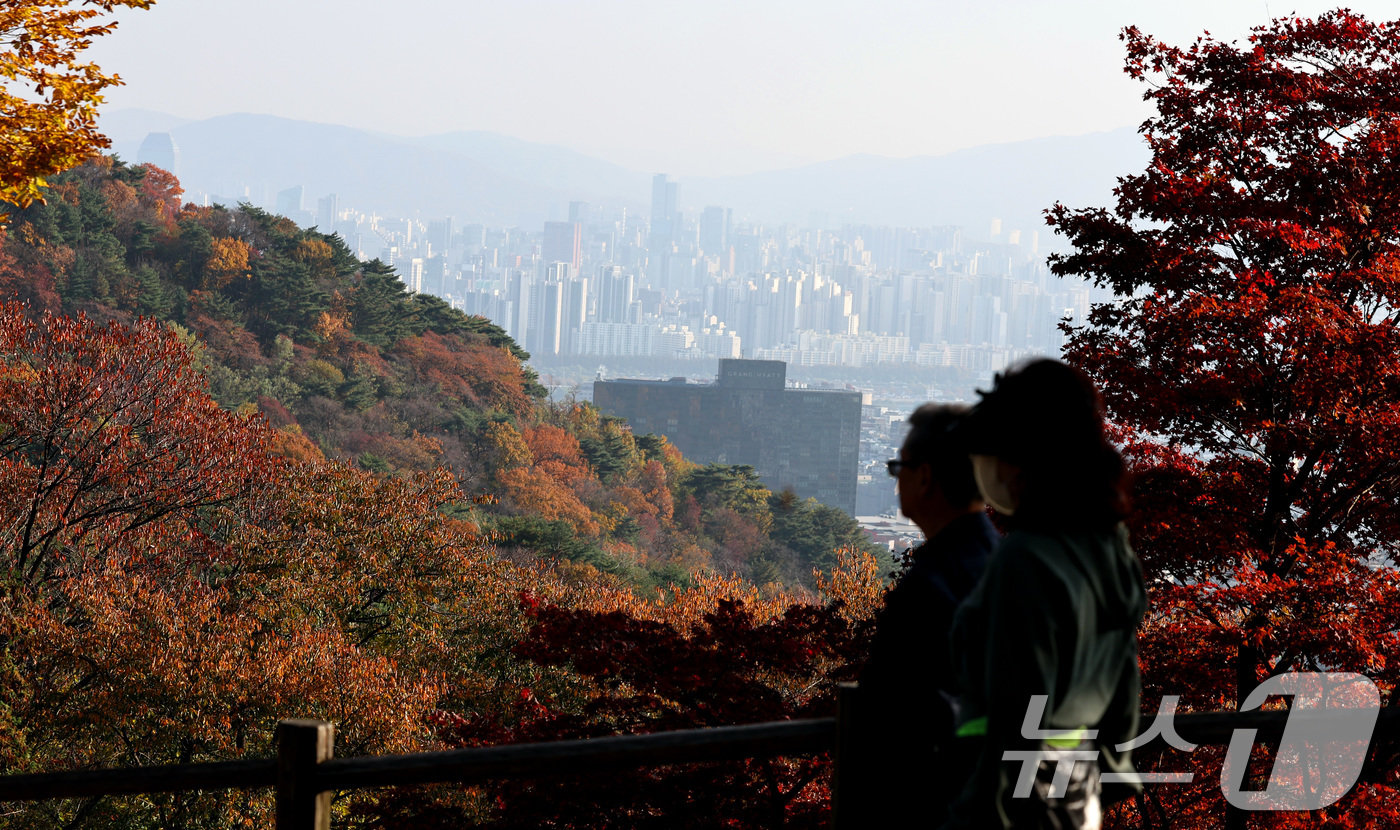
{"x":176,"y":582}
{"x":1252,"y":361}
{"x":173,"y":587}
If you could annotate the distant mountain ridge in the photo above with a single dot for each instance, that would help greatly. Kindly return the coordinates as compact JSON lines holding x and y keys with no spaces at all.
{"x":1013,"y":182}
{"x":489,"y":177}
{"x":544,"y":165}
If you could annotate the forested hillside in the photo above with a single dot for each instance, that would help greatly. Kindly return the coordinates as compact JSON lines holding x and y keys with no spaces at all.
{"x":246,"y":478}
{"x":347,"y":364}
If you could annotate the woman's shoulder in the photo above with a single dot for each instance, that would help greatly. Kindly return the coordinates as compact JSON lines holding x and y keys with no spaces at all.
{"x":1026,"y":555}
{"x":1026,"y":543}
{"x":1043,"y":539}
{"x":1043,"y":550}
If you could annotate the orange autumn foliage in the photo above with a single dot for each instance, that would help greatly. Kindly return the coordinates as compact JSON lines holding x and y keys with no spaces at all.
{"x":229,"y":261}
{"x":557,"y":453}
{"x":291,"y":443}
{"x":49,"y":101}
{"x":537,"y":493}
{"x":106,"y":429}
{"x":468,"y":370}
{"x":174,"y":585}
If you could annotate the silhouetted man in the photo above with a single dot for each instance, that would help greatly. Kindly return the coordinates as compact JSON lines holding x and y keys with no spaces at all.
{"x":905,"y":722}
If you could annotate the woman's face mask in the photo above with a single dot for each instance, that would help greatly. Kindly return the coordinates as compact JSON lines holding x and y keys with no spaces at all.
{"x":995,"y":489}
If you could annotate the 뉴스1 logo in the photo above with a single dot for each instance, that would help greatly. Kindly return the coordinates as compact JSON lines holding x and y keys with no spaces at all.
{"x":1319,"y":757}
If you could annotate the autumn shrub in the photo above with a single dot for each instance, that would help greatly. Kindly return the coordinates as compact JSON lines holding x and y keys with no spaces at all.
{"x":718,"y":653}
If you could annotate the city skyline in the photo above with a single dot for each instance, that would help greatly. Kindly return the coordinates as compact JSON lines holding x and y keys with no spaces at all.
{"x":601,"y":282}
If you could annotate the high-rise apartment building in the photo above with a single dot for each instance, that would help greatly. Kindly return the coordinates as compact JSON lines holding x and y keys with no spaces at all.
{"x":410,"y":270}
{"x":563,"y":242}
{"x":616,"y":293}
{"x":547,"y":310}
{"x":804,"y":440}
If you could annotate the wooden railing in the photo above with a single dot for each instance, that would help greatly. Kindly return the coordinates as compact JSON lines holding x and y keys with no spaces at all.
{"x":306,"y":774}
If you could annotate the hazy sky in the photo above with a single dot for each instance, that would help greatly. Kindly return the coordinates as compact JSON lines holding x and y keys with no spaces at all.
{"x":707,"y":87}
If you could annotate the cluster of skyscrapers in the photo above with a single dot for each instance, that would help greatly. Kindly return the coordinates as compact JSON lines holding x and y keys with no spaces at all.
{"x":600,"y":281}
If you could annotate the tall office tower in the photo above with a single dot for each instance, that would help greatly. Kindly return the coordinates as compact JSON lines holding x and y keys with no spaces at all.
{"x":327,"y":211}
{"x":563,"y":242}
{"x":289,"y":201}
{"x":160,"y":149}
{"x":805,"y":440}
{"x":578,"y":213}
{"x":663,"y":202}
{"x":558,"y":271}
{"x":473,"y":237}
{"x":435,"y":275}
{"x":440,"y":235}
{"x":665,"y":228}
{"x":996,"y":230}
{"x":714,"y":230}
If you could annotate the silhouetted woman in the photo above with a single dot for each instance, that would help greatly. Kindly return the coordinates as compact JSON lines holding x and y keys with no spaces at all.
{"x":1045,"y":648}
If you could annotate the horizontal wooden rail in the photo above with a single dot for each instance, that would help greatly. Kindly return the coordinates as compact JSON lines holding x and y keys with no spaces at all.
{"x":305,"y":774}
{"x":795,"y":737}
{"x":720,"y":743}
{"x":172,"y":778}
{"x":1215,"y":728}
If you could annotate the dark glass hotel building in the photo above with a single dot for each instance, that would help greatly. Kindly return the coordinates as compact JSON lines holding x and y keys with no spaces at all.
{"x":804,"y":440}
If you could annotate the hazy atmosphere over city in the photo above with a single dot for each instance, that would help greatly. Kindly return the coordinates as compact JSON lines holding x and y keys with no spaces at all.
{"x":710,"y":88}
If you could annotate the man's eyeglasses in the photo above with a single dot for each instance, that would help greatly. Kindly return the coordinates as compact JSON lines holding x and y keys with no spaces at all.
{"x":894,"y":465}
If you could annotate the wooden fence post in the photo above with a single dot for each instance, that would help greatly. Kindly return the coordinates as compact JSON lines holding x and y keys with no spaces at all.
{"x":841,"y":775}
{"x":301,"y":745}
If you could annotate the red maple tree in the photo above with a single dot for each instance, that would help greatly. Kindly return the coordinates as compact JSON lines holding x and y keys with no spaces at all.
{"x":1252,"y":360}
{"x":720,"y":652}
